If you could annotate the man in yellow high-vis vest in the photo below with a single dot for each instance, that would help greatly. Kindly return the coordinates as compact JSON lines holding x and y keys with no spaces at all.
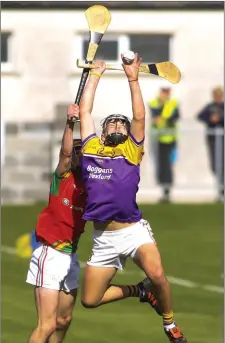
{"x":164,"y":116}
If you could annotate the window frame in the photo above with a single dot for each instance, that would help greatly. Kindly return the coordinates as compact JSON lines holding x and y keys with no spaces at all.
{"x":7,"y":66}
{"x":166,"y":33}
{"x":123,"y":44}
{"x":122,"y":41}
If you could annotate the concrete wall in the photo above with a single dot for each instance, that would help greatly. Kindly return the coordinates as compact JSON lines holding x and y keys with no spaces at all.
{"x":42,"y":75}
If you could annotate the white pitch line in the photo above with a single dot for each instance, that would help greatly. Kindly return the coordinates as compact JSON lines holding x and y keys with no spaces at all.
{"x":214,"y":289}
{"x":182,"y":282}
{"x":173,"y":280}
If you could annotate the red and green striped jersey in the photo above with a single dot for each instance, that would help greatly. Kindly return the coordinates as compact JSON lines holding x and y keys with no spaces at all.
{"x":60,"y":224}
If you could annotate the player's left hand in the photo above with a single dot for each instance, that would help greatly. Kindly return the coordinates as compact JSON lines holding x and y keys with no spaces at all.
{"x":132,"y":70}
{"x":73,"y":111}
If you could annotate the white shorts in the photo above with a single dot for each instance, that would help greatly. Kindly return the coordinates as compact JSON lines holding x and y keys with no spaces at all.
{"x":53,"y":269}
{"x":111,"y":248}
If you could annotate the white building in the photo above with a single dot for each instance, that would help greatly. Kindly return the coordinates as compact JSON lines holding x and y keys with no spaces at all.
{"x":38,"y":71}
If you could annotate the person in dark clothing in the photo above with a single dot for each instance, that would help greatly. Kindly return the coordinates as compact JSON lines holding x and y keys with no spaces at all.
{"x":164,"y":116}
{"x":213,"y":117}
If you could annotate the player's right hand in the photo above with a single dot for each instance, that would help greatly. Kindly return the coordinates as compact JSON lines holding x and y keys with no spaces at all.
{"x":132,"y":69}
{"x":100,"y":67}
{"x":73,"y":111}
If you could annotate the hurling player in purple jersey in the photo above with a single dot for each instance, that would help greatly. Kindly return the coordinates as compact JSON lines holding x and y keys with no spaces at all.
{"x":111,"y":173}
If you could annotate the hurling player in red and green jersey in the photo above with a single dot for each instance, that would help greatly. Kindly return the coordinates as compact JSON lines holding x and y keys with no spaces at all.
{"x":54,"y":266}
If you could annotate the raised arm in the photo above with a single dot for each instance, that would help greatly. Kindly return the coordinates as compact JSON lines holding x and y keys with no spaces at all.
{"x":65,"y":155}
{"x":86,"y":104}
{"x":138,"y":107}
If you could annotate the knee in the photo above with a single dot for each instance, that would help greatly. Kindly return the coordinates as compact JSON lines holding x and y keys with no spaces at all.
{"x":158,"y":276}
{"x":63,"y":322}
{"x":47,"y":328}
{"x":88,"y":302}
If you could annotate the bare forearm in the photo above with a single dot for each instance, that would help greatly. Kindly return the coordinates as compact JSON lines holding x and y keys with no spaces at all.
{"x":87,"y":100}
{"x":137,"y":101}
{"x":67,"y":141}
{"x":87,"y":126}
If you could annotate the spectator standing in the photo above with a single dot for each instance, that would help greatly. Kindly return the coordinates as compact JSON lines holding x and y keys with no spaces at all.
{"x":164,"y":116}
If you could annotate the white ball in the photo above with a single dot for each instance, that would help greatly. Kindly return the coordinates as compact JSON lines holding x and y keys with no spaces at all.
{"x":128,"y":57}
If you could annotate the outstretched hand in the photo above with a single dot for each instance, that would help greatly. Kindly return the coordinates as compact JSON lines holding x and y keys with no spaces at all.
{"x":100,"y":67}
{"x":132,"y":70}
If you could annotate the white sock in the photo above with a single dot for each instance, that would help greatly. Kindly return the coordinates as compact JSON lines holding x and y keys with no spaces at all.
{"x":170,"y":326}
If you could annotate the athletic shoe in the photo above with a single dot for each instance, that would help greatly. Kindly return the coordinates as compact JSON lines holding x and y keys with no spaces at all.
{"x":175,"y":335}
{"x":147,"y":295}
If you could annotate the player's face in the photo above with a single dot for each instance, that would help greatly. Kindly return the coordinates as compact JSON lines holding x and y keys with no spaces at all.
{"x":116,"y":127}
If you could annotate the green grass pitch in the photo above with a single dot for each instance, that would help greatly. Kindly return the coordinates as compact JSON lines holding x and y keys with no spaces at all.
{"x":190,"y":238}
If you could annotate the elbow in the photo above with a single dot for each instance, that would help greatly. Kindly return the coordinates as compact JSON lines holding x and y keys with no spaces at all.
{"x":140,"y":116}
{"x":84,"y":113}
{"x":81,"y":114}
{"x":199,"y":118}
{"x":65,"y":152}
{"x":84,"y":107}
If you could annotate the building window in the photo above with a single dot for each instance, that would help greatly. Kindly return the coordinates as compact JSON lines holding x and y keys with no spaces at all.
{"x":5,"y":39}
{"x":109,"y":50}
{"x":152,"y":47}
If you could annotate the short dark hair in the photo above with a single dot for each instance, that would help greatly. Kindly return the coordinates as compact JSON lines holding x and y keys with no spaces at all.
{"x":165,"y":89}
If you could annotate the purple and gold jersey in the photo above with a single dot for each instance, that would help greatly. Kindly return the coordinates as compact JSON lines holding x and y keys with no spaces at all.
{"x":111,"y":176}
